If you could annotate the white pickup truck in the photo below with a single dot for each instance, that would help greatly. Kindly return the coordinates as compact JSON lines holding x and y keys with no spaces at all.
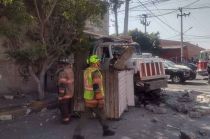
{"x":149,"y":73}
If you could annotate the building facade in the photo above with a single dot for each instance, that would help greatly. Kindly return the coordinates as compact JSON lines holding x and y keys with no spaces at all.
{"x":172,"y":50}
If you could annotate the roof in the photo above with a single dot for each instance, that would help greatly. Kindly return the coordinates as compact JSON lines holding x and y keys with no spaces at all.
{"x":170,"y":44}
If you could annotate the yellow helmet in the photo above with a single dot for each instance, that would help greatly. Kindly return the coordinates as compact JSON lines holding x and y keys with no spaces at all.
{"x":93,"y":59}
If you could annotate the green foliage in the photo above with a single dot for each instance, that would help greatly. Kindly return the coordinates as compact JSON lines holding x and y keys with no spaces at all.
{"x":14,"y":19}
{"x":39,"y":32}
{"x":5,"y":2}
{"x":56,"y":29}
{"x":28,"y":55}
{"x":148,"y":42}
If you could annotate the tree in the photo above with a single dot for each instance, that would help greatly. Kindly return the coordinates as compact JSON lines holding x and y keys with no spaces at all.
{"x":148,"y":42}
{"x":39,"y":32}
{"x":115,"y":5}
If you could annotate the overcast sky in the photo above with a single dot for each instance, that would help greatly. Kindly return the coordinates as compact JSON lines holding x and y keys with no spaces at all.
{"x":196,"y":26}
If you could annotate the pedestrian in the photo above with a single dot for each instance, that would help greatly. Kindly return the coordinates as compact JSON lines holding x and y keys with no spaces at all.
{"x":208,"y":70}
{"x":65,"y":83}
{"x":93,"y":98}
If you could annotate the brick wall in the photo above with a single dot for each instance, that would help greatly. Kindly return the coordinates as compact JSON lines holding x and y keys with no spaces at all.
{"x":193,"y":51}
{"x":170,"y":53}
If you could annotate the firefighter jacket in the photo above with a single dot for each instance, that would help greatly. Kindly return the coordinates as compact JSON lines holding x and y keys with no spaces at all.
{"x":93,"y":84}
{"x":66,"y":83}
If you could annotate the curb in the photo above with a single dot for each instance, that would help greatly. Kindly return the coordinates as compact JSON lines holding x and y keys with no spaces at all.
{"x":10,"y":113}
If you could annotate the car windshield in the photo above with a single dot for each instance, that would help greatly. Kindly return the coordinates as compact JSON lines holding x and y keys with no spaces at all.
{"x":170,"y":64}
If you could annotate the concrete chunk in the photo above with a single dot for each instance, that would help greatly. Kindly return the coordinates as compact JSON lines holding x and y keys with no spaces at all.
{"x":5,"y":117}
{"x":8,"y":97}
{"x":187,"y":135}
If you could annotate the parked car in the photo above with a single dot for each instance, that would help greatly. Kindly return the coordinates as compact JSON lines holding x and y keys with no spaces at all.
{"x":187,"y":67}
{"x":193,"y":72}
{"x":192,"y":66}
{"x":175,"y":73}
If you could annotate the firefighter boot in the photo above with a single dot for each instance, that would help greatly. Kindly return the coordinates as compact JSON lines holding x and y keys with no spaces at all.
{"x":107,"y":131}
{"x":78,"y":137}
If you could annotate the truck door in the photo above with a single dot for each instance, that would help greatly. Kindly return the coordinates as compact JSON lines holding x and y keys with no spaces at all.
{"x":105,"y":53}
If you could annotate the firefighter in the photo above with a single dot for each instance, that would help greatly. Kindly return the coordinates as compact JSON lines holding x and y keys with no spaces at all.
{"x":93,"y":97}
{"x":65,"y":84}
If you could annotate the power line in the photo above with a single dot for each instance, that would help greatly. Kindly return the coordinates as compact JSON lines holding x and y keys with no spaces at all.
{"x":191,"y":3}
{"x":154,"y":9}
{"x":158,"y":17}
{"x":172,"y":37}
{"x":150,"y":16}
{"x":198,"y":35}
{"x":165,"y":13}
{"x":198,"y":38}
{"x":195,"y":8}
{"x":145,"y":3}
{"x":160,"y":12}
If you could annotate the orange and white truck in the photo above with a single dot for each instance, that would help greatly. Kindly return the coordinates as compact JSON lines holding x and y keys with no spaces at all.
{"x":149,"y":74}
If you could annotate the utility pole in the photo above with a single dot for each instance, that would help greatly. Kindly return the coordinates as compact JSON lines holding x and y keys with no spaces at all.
{"x":181,"y":15}
{"x":126,"y":17}
{"x":116,"y":21}
{"x":145,"y":22}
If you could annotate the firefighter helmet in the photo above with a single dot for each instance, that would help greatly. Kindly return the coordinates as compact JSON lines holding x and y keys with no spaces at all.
{"x":93,"y":59}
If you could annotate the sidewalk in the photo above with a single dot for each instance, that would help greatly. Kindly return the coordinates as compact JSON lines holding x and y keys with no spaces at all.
{"x":15,"y":106}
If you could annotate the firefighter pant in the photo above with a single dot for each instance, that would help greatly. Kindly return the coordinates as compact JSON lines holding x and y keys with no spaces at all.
{"x":100,"y":115}
{"x":65,"y":108}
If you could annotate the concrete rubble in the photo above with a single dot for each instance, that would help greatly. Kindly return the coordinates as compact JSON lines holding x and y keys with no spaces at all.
{"x":156,"y":109}
{"x":5,"y":117}
{"x":187,"y":135}
{"x":186,"y":102}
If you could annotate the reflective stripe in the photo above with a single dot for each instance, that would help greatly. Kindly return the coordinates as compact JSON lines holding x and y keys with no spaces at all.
{"x":89,"y":88}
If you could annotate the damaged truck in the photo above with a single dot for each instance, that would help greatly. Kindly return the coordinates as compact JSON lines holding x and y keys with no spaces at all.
{"x":148,"y":71}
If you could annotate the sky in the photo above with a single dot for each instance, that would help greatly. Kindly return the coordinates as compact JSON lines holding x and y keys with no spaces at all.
{"x":163,"y":19}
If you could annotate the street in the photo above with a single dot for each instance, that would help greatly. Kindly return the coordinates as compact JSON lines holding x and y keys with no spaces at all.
{"x":137,"y":123}
{"x":199,"y":84}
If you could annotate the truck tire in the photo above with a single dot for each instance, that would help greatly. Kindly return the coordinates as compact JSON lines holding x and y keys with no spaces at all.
{"x":176,"y":79}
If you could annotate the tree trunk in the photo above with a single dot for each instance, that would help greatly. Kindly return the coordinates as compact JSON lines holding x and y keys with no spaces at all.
{"x":40,"y":83}
{"x":41,"y":94}
{"x":41,"y":90}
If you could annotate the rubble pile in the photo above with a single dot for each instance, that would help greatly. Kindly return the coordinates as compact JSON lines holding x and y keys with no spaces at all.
{"x":187,"y":102}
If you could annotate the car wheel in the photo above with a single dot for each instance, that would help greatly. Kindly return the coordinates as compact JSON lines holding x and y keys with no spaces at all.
{"x":176,"y":79}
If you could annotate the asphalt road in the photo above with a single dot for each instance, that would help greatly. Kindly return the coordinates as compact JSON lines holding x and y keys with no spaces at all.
{"x":199,"y":84}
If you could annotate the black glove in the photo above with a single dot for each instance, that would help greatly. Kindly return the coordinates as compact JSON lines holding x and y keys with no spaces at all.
{"x":62,"y":90}
{"x":96,"y":88}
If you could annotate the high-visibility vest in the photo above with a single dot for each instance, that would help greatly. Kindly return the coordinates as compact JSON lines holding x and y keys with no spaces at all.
{"x":88,"y":83}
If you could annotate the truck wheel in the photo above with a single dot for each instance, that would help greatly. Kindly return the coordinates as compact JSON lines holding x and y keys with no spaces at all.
{"x":176,"y":79}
